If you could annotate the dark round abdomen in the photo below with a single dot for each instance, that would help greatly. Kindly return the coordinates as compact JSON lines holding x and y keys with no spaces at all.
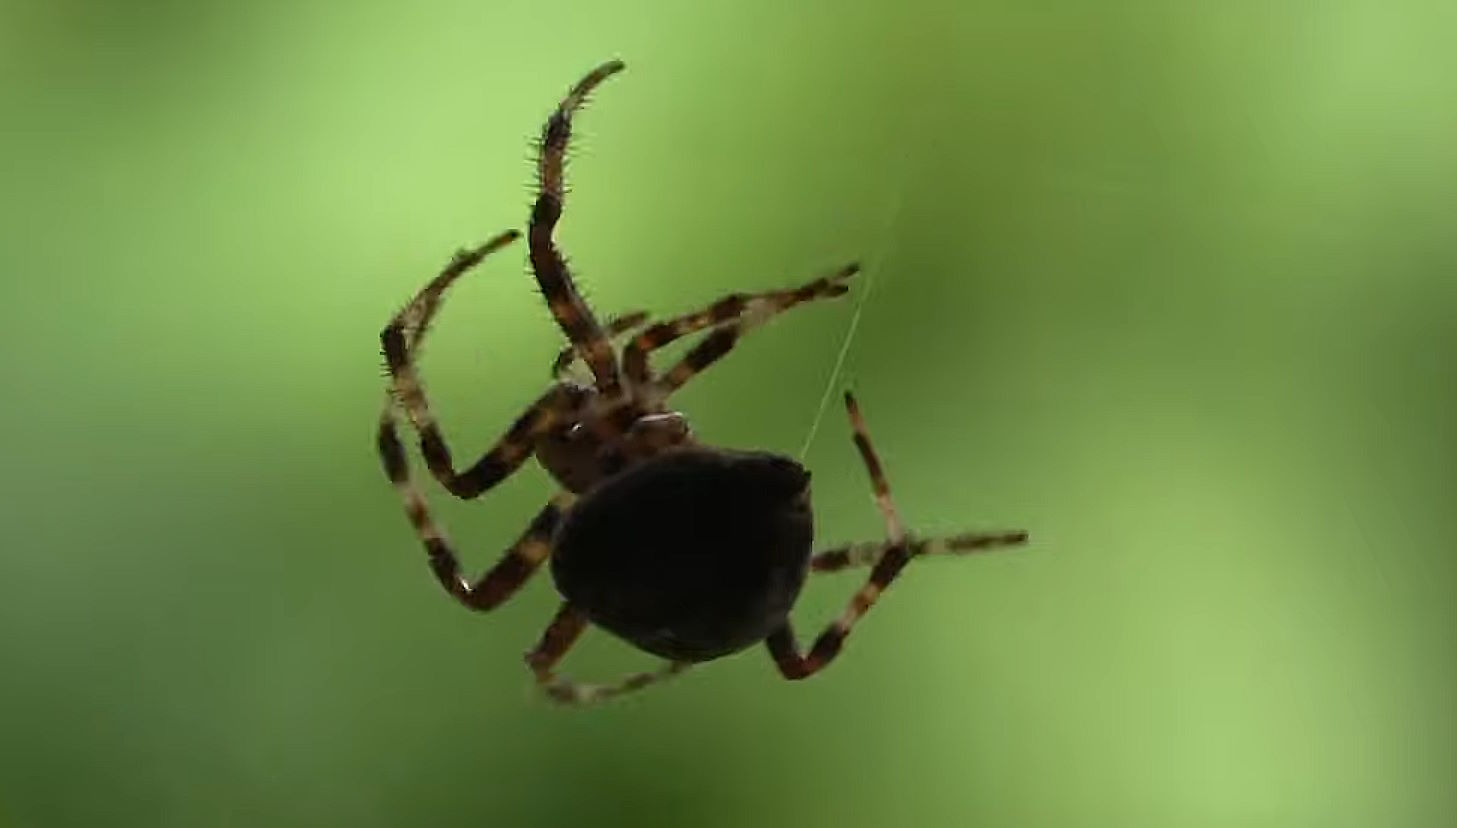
{"x":693,"y":555}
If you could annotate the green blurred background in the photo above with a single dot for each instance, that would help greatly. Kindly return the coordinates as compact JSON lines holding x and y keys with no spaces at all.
{"x":1171,"y":285}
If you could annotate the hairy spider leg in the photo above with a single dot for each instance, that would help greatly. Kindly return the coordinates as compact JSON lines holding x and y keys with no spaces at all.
{"x":888,"y":564}
{"x":615,"y":327}
{"x":563,"y":631}
{"x":402,"y":338}
{"x":567,"y":305}
{"x":731,"y":317}
{"x":850,"y":555}
{"x":420,"y":310}
{"x":515,"y":566}
{"x":407,"y":328}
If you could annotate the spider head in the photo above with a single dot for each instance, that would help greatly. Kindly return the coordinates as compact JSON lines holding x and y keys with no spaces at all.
{"x":599,"y":436}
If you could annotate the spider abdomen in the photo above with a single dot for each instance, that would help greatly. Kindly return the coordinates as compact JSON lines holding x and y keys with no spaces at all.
{"x":692,"y":555}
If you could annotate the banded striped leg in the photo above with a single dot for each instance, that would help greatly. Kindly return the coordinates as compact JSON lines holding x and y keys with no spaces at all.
{"x":867,"y":553}
{"x":401,"y":339}
{"x":566,"y":304}
{"x":557,"y":639}
{"x":408,"y":326}
{"x":732,"y":317}
{"x":509,"y":573}
{"x":782,"y":646}
{"x":615,"y":327}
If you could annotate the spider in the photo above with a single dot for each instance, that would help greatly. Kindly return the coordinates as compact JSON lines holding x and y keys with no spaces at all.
{"x":687,"y":551}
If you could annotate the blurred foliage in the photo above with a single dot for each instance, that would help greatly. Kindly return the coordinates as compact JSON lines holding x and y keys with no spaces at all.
{"x":1169,"y":284}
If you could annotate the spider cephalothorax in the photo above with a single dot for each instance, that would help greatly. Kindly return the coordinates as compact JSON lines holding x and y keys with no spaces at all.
{"x":687,"y":551}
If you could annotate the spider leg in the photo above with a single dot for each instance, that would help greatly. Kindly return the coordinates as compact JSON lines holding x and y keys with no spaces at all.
{"x":868,"y":552}
{"x":563,"y":631}
{"x":509,"y":573}
{"x":615,"y":327}
{"x":731,"y":317}
{"x":567,"y":305}
{"x":889,"y":560}
{"x":402,"y":338}
{"x":410,"y":324}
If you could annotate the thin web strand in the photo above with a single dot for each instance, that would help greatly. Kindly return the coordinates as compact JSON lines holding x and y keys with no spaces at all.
{"x":892,"y":219}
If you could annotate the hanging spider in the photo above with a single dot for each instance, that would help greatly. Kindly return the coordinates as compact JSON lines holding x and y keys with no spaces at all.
{"x":687,"y":551}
